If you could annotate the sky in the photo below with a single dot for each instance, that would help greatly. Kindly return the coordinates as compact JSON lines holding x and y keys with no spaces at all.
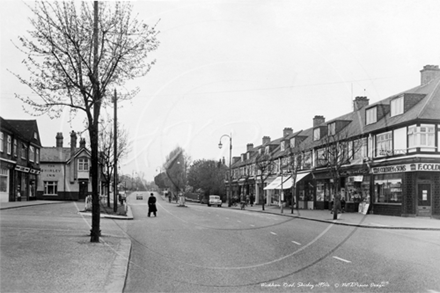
{"x":246,"y":69}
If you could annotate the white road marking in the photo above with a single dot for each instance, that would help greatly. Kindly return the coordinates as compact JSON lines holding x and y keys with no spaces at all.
{"x":297,"y":243}
{"x":273,"y":233}
{"x":341,"y":259}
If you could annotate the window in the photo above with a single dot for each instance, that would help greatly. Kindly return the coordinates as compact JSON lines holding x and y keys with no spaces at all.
{"x":388,"y":188}
{"x":332,"y":128}
{"x":384,"y":143}
{"x":35,"y":135}
{"x":15,"y":151}
{"x":371,"y":115}
{"x":1,"y":142}
{"x":9,"y":146}
{"x":50,"y":188}
{"x":397,"y":106}
{"x":23,"y":151}
{"x":316,"y":134}
{"x":83,"y":165}
{"x":37,"y":156}
{"x":421,"y":136}
{"x":31,"y":153}
{"x":292,"y":142}
{"x":266,"y":150}
{"x":321,"y":159}
{"x":283,"y":145}
{"x":360,"y":149}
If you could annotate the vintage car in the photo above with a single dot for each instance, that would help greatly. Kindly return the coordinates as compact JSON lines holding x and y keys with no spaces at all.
{"x":214,"y":200}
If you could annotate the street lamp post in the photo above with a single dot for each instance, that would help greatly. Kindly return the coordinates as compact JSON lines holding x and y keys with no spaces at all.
{"x":230,"y":165}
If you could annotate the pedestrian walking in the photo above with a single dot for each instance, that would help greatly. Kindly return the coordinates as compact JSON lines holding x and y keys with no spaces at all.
{"x":252,"y":198}
{"x":152,"y":205}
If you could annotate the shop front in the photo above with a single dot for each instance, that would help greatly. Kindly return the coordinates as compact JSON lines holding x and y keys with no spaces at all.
{"x":407,"y":189}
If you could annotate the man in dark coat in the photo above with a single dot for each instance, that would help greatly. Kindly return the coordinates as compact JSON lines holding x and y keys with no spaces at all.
{"x":152,"y":205}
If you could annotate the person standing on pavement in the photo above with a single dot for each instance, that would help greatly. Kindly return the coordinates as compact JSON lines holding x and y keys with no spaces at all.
{"x":252,"y":199}
{"x":152,"y":205}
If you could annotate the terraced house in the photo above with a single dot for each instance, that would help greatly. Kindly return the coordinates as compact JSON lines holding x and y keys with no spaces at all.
{"x":384,"y":156}
{"x":19,"y":159}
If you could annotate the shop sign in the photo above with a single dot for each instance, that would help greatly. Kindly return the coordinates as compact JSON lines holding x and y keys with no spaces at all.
{"x":430,"y":167}
{"x":22,"y":169}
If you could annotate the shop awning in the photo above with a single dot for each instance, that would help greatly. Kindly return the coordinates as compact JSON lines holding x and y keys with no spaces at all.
{"x":286,"y":180}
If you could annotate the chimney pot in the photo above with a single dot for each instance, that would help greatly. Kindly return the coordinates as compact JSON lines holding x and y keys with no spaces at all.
{"x":249,"y":147}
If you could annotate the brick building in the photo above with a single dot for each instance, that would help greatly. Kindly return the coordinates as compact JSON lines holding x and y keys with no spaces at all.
{"x":390,"y":153}
{"x":19,"y":159}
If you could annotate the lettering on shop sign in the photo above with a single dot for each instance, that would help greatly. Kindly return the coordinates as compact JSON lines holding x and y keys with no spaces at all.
{"x":406,"y":168}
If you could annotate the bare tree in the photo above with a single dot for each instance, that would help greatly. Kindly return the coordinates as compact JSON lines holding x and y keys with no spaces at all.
{"x":336,"y":152}
{"x":263,"y":167}
{"x":77,"y":53}
{"x":107,"y":153}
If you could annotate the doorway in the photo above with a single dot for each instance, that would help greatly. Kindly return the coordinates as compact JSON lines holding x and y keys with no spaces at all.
{"x":424,"y":200}
{"x":83,"y":189}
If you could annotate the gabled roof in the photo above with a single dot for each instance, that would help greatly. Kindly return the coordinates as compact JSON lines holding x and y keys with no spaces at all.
{"x":24,"y":129}
{"x":59,"y":155}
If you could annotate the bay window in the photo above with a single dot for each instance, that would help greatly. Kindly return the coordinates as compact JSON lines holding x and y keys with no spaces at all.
{"x":384,"y":144}
{"x":422,"y":136}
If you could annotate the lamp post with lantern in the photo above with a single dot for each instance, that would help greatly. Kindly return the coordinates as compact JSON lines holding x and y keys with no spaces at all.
{"x":230,"y":164}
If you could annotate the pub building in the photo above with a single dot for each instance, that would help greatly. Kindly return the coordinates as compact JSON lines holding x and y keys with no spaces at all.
{"x":393,"y":161}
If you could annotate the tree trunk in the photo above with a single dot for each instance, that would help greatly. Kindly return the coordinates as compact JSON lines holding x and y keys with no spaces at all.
{"x":95,"y":232}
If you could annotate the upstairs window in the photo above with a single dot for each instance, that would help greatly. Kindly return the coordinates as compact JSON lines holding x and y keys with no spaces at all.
{"x":384,"y":143}
{"x":15,"y":150}
{"x":332,"y":128}
{"x":283,"y":145}
{"x":83,"y":165}
{"x":23,"y":151}
{"x":266,"y":150}
{"x":292,"y":142}
{"x":9,"y":146}
{"x":397,"y":106}
{"x":371,"y":115}
{"x":31,"y":153}
{"x":1,"y":142}
{"x":316,"y":134}
{"x":421,"y":136}
{"x":37,"y":156}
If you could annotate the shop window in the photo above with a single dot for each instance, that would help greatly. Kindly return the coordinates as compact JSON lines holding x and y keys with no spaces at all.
{"x":422,"y":136}
{"x":50,"y":188}
{"x":388,"y":189}
{"x":371,"y":115}
{"x":4,"y":180}
{"x":384,"y":144}
{"x":397,"y":106}
{"x":357,"y":188}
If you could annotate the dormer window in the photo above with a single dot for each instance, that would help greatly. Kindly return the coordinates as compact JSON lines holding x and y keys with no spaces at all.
{"x":83,"y":164}
{"x":35,"y":135}
{"x":283,"y":145}
{"x":397,"y":106}
{"x":266,"y":150}
{"x":316,"y":134}
{"x":332,"y":128}
{"x":260,"y":151}
{"x":371,"y":115}
{"x":292,"y":142}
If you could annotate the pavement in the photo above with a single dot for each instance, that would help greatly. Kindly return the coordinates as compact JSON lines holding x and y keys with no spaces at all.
{"x":116,"y":267}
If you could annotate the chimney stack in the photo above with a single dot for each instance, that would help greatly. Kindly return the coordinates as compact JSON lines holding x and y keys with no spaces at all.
{"x":249,"y":147}
{"x":318,"y":120}
{"x":72,"y":142}
{"x":266,"y":139}
{"x":59,"y":139}
{"x":287,"y":131}
{"x":359,"y":103}
{"x":428,"y":73}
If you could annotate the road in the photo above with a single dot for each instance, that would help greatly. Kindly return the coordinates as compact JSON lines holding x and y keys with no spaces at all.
{"x":209,"y":249}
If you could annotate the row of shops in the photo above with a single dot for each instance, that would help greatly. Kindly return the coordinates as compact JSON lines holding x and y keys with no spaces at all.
{"x":398,"y":190}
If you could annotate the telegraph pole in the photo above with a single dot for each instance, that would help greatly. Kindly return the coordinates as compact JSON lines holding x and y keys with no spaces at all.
{"x":115,"y":157}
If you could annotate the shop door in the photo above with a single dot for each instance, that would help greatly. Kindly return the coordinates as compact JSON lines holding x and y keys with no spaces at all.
{"x":83,"y":189}
{"x":424,"y":200}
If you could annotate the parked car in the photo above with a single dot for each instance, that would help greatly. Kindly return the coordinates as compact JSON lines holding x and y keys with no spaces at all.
{"x":214,"y":200}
